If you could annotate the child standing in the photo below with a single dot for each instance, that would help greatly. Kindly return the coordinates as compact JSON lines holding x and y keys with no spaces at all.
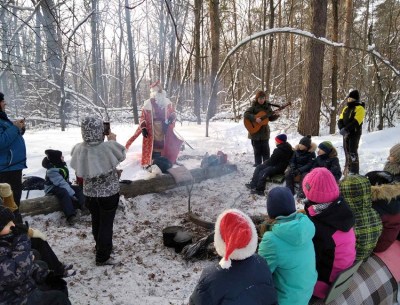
{"x":96,"y":162}
{"x":19,"y":274}
{"x":327,"y":157}
{"x":57,"y":183}
{"x":300,"y":164}
{"x":288,"y":249}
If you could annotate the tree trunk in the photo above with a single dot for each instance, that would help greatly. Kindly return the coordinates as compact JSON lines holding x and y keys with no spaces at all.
{"x":348,"y":25}
{"x":312,"y":87}
{"x":95,"y":60}
{"x":270,"y":49}
{"x":197,"y":60}
{"x":335,"y":67}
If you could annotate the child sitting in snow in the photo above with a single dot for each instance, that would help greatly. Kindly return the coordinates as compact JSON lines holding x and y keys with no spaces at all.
{"x":300,"y":164}
{"x":19,"y":274}
{"x":58,"y":184}
{"x":327,"y":157}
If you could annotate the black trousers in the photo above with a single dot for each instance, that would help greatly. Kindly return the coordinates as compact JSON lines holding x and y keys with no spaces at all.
{"x":350,"y":145}
{"x":103,"y":211}
{"x":261,"y":174}
{"x":290,"y":183}
{"x":47,"y":255}
{"x":50,"y":297}
{"x":261,"y":151}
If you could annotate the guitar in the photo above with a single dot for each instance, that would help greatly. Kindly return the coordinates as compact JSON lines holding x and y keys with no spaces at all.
{"x":253,"y":127}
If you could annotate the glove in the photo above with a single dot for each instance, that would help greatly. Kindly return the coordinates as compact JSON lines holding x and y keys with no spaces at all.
{"x":145,"y":133}
{"x":34,"y":233}
{"x":20,"y":229}
{"x":344,"y":132}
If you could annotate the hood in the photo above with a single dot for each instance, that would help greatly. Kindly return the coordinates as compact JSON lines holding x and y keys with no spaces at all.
{"x":385,"y":192}
{"x":337,"y":215}
{"x":92,"y":130}
{"x":295,"y":229}
{"x":356,"y":190}
{"x":313,"y":147}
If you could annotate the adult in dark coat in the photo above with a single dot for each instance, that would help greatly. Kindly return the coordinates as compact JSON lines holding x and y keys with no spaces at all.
{"x":12,"y":153}
{"x":260,"y":139}
{"x":350,"y":126}
{"x":327,"y":157}
{"x":300,"y":164}
{"x":242,"y":277}
{"x":275,"y":165}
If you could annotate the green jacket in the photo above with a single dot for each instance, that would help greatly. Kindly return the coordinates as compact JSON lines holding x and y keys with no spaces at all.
{"x":250,"y":114}
{"x":289,"y":251}
{"x":356,"y":190}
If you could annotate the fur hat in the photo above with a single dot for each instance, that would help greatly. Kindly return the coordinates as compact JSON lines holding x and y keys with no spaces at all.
{"x":5,"y":217}
{"x":394,"y":167}
{"x":280,"y":202}
{"x":354,"y":94}
{"x":320,"y":186}
{"x":1,"y":96}
{"x":395,"y":153}
{"x":54,"y":156}
{"x":306,"y":141}
{"x":235,"y":237}
{"x":281,"y":138}
{"x":326,"y":146}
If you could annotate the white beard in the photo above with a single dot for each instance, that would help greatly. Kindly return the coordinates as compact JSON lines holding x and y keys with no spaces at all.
{"x":160,"y":98}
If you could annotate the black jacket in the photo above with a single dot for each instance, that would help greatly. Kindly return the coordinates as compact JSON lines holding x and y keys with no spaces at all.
{"x":280,"y":157}
{"x":246,"y":282}
{"x":330,"y":162}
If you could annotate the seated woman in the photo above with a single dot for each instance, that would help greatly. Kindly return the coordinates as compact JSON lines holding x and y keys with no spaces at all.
{"x":328,"y":158}
{"x":275,"y":165}
{"x":242,"y":276}
{"x":356,"y":190}
{"x":334,"y":240}
{"x":300,"y":164}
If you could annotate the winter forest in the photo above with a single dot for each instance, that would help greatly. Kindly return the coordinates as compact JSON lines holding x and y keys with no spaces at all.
{"x":63,"y":59}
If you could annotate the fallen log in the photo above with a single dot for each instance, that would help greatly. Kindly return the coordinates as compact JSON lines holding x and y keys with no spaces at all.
{"x":50,"y":204}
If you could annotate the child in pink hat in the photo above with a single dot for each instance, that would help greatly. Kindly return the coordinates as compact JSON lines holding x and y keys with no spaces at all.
{"x":334,"y":240}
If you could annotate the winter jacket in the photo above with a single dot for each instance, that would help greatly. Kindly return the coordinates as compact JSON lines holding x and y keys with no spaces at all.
{"x":246,"y":282}
{"x":18,"y":273}
{"x":57,"y":176}
{"x":95,"y":160}
{"x":356,"y":190}
{"x":331,"y":162}
{"x":12,"y":146}
{"x":351,"y":117}
{"x":303,"y":160}
{"x":289,"y":251}
{"x":386,"y":201}
{"x":250,"y":114}
{"x":280,"y":157}
{"x":334,"y":241}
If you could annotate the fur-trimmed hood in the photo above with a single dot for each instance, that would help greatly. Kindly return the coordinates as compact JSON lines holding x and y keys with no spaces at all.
{"x":313,"y":147}
{"x":385,"y":192}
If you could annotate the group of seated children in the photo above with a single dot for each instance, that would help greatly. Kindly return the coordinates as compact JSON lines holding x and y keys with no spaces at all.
{"x":295,"y":164}
{"x":342,"y":223}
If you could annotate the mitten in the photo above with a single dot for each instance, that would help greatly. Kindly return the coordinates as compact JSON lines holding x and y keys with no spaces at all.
{"x":344,"y":132}
{"x":145,"y":133}
{"x":34,"y":233}
{"x":20,"y":229}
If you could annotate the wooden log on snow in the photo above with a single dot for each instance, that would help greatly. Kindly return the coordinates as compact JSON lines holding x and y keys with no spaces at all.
{"x":50,"y":204}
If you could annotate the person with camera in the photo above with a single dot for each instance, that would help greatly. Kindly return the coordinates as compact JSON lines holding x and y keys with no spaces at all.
{"x":95,"y":161}
{"x":12,"y":153}
{"x":156,"y":124}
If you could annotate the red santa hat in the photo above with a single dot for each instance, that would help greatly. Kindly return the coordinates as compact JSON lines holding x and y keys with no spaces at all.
{"x":235,"y":237}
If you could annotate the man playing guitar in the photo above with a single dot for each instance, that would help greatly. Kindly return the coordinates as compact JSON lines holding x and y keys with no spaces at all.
{"x":256,"y":119}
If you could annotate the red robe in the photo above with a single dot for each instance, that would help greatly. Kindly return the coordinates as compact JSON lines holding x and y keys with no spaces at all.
{"x":151,"y":114}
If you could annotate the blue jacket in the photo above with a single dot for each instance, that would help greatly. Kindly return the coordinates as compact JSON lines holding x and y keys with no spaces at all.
{"x":54,"y":178}
{"x":289,"y":251}
{"x":12,"y":147}
{"x":246,"y":282}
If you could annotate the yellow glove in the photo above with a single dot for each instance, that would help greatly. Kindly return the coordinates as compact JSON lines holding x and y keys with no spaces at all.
{"x":8,"y":197}
{"x":34,"y":233}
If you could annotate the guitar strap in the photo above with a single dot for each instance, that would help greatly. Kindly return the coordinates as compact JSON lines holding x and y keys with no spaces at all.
{"x":274,"y":105}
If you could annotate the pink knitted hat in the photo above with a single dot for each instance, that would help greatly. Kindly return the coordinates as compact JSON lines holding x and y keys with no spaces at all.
{"x":320,"y":186}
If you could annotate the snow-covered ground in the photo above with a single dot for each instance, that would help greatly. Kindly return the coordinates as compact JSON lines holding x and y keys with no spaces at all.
{"x":151,"y":273}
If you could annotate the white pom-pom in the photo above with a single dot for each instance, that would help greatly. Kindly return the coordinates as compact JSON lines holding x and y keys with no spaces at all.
{"x":225,"y":264}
